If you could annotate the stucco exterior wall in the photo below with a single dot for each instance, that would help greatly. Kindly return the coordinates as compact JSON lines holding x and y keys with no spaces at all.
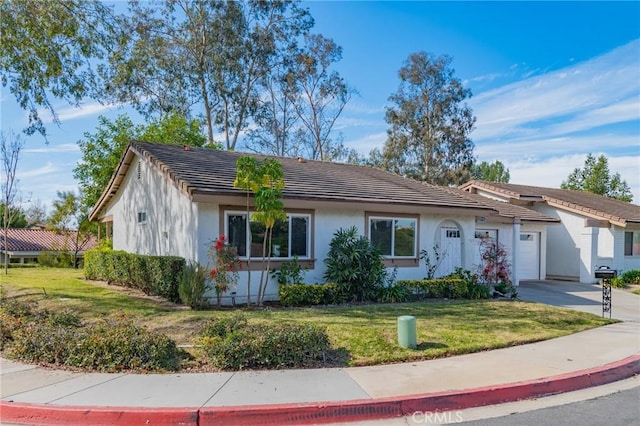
{"x":171,"y":224}
{"x":563,"y":244}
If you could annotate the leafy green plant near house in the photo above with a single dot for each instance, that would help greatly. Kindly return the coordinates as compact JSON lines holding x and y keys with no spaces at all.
{"x":194,"y":284}
{"x":290,"y":272}
{"x":355,"y":266}
{"x":224,"y":273}
{"x":632,"y":276}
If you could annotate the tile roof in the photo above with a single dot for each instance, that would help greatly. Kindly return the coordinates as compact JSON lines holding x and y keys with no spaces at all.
{"x":34,"y":240}
{"x":206,"y":171}
{"x":508,"y":210}
{"x":583,"y":202}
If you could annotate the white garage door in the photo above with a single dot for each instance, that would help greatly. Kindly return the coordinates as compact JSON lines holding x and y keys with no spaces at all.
{"x":529,"y":256}
{"x":451,"y":249}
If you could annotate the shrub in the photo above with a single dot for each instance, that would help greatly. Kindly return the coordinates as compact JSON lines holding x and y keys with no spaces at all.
{"x":290,"y":272}
{"x":193,"y":286}
{"x":157,"y":275}
{"x":55,"y":259}
{"x":103,"y":347}
{"x":308,"y":294}
{"x":631,"y":276}
{"x":440,"y":288}
{"x":224,"y":325}
{"x":354,"y":265}
{"x":268,"y":346}
{"x":394,"y":294}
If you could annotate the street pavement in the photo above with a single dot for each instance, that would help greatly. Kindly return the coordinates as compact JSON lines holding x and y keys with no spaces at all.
{"x":34,"y":395}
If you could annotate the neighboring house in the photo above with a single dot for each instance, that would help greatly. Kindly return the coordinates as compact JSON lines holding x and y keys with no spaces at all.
{"x":174,"y":200}
{"x":24,"y":245}
{"x":595,"y":230}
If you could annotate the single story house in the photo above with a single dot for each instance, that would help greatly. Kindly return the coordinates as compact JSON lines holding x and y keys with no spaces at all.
{"x":24,"y":245}
{"x":175,"y":200}
{"x":594,"y":230}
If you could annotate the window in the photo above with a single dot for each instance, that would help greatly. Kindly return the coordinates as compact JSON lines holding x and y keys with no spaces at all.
{"x":396,"y":237}
{"x":632,"y":243}
{"x":142,"y":218}
{"x":290,"y":237}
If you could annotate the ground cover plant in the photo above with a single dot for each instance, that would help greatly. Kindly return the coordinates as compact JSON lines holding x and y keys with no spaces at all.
{"x":358,"y":334}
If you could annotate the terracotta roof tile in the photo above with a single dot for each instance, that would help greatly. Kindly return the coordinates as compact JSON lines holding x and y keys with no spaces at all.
{"x":33,"y":240}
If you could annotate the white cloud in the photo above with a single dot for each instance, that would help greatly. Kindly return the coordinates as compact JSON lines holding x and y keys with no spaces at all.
{"x":366,"y":143}
{"x":598,"y":88}
{"x":552,"y":171}
{"x":65,"y":147}
{"x":40,"y":171}
{"x":67,"y":113}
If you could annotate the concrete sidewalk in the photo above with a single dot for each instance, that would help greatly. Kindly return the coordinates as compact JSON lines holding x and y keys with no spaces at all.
{"x":33,"y":395}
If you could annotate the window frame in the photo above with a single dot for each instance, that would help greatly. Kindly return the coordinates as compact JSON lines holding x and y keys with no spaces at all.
{"x":393,"y":217}
{"x":634,"y":235}
{"x":290,"y":214}
{"x":142,"y":217}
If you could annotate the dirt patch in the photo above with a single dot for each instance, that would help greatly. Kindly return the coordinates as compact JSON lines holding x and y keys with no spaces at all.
{"x":132,"y":292}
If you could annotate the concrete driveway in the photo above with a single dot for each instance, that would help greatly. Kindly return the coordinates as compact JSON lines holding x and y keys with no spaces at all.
{"x":625,"y":306}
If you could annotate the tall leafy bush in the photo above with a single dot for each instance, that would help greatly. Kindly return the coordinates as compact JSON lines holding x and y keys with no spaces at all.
{"x":354,"y":265}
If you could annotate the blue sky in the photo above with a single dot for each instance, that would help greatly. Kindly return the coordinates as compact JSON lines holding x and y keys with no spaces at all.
{"x":551,"y":82}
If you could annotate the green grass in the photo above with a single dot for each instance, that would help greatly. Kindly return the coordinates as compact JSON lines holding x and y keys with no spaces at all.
{"x":366,"y":333}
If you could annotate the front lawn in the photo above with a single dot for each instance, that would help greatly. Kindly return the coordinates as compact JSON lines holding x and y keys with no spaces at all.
{"x":365,"y":334}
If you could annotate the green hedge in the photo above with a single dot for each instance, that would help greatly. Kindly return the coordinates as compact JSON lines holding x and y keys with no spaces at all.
{"x":444,"y":288}
{"x":308,"y":295}
{"x":234,"y":344}
{"x":157,"y":275}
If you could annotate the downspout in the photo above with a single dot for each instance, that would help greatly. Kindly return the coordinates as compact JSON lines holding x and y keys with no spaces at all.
{"x":515,"y":258}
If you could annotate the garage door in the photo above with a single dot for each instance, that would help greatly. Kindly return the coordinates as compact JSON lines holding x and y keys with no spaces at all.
{"x":529,"y":256}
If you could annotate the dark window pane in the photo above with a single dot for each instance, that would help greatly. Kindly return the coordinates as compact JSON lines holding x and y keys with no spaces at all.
{"x":381,"y":235}
{"x":280,"y":239}
{"x":405,"y":234}
{"x":237,"y":227}
{"x":299,"y":238}
{"x":257,"y":238}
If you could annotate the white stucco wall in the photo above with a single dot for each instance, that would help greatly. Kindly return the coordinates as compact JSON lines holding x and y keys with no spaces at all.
{"x":563,"y":243}
{"x":171,"y":218}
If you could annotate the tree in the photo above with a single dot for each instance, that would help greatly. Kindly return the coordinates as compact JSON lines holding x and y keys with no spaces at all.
{"x":36,"y":214}
{"x":46,"y":52}
{"x":102,"y":150}
{"x":180,"y":53}
{"x":596,"y":178}
{"x":9,"y":154}
{"x":430,"y":123}
{"x":17,"y":217}
{"x":319,"y":95}
{"x":494,"y":172}
{"x":69,"y":213}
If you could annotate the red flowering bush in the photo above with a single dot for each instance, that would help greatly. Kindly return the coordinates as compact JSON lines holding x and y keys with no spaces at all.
{"x":224,"y":273}
{"x":495,"y":270}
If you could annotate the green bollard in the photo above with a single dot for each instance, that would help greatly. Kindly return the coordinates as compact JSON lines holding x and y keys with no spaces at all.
{"x":407,"y":332}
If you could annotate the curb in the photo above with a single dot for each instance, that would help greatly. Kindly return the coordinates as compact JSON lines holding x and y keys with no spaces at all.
{"x":328,"y":412}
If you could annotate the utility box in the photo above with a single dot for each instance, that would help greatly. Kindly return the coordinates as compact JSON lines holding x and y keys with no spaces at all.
{"x":407,"y":336}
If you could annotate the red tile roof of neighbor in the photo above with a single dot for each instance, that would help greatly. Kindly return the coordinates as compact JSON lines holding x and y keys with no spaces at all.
{"x":34,"y":240}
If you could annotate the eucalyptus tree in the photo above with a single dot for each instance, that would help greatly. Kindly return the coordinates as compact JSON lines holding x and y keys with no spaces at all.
{"x":202,"y":57}
{"x":430,"y":123}
{"x":318,"y":94}
{"x":47,"y":51}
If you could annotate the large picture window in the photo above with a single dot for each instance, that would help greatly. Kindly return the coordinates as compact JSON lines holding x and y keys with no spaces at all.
{"x":290,"y":237}
{"x":632,"y":243}
{"x":396,"y":237}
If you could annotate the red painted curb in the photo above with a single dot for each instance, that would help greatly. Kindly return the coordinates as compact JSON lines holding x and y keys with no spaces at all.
{"x":329,"y":412}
